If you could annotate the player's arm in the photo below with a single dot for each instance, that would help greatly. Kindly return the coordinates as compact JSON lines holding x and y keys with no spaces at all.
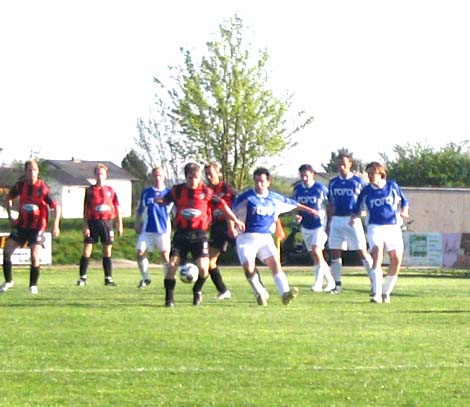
{"x":119,"y":224}
{"x":85,"y":227}
{"x":230,"y":215}
{"x":138,"y":217}
{"x":9,"y":207}
{"x":305,"y":208}
{"x":56,"y":222}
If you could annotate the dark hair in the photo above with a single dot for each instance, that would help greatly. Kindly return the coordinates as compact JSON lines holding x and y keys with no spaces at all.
{"x":345,"y":155}
{"x":260,"y":171}
{"x":306,"y":167}
{"x":190,"y":168}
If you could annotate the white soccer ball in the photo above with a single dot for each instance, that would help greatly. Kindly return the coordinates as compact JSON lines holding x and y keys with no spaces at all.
{"x":189,"y":273}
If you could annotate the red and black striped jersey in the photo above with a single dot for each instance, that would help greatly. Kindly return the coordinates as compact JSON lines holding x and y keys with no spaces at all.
{"x":193,"y":206}
{"x":100,"y":203}
{"x":223,"y":191}
{"x":35,"y":201}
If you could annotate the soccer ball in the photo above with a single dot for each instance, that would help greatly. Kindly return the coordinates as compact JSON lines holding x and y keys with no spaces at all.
{"x":189,"y":273}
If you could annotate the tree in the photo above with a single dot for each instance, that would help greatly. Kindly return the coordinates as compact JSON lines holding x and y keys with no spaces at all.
{"x":134,"y":164}
{"x":422,"y":166}
{"x":160,"y":143}
{"x":223,"y":110}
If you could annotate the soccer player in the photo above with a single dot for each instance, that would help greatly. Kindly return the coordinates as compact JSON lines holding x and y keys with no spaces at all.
{"x":385,"y":203}
{"x":153,"y":225}
{"x":100,"y":211}
{"x":193,"y":201}
{"x":314,"y":195}
{"x":35,"y":200}
{"x":220,"y":233}
{"x":343,"y":192}
{"x":260,"y":208}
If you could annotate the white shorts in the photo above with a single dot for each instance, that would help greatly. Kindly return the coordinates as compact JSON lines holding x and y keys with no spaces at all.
{"x":343,"y":236}
{"x":151,"y":241}
{"x":314,"y":237}
{"x":253,"y":245}
{"x":388,"y":236}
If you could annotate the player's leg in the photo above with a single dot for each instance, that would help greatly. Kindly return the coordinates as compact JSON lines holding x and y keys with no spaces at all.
{"x":35,"y":266}
{"x":142,"y":260}
{"x":336,"y":239}
{"x":394,"y":247}
{"x":108,"y":264}
{"x":202,"y":262}
{"x":10,"y":246}
{"x":247,"y":249}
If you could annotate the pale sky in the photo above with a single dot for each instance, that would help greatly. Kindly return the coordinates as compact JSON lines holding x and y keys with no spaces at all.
{"x":76,"y":75}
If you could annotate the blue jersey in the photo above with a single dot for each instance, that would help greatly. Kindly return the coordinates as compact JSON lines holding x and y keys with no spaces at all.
{"x":344,"y":192}
{"x":316,"y":197}
{"x":260,"y":212}
{"x":382,"y":203}
{"x":155,"y":217}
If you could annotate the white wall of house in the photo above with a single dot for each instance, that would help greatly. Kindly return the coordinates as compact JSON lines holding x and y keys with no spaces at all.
{"x":124,"y":192}
{"x":72,"y":201}
{"x":71,"y":197}
{"x":444,"y":210}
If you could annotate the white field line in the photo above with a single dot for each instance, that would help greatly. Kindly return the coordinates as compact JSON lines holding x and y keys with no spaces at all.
{"x":223,"y":369}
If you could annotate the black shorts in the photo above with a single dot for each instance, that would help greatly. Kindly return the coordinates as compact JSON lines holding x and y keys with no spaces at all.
{"x":219,"y":238}
{"x":100,"y":230}
{"x":194,"y":242}
{"x":25,"y":236}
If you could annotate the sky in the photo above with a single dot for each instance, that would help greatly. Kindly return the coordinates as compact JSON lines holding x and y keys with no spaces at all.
{"x":76,"y":75}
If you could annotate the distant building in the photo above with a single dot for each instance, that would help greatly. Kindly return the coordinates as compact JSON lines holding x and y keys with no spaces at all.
{"x":68,"y":180}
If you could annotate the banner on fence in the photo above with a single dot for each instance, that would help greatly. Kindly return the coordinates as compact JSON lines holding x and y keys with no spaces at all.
{"x":449,"y":250}
{"x":22,"y":255}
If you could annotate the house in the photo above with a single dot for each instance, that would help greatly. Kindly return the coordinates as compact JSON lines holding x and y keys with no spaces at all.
{"x":439,"y":209}
{"x":8,"y":177}
{"x":68,"y":180}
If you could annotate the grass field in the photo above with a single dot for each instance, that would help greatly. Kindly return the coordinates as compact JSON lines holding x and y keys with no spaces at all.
{"x":118,"y":346}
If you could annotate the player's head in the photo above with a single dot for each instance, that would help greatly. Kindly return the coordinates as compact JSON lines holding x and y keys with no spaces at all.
{"x":158,"y":175}
{"x":345,"y":163}
{"x":375,"y":169}
{"x":31,"y":170}
{"x":212,"y":173}
{"x":102,"y":173}
{"x":262,"y":179}
{"x":192,"y":173}
{"x":100,"y":168}
{"x":307,"y":174}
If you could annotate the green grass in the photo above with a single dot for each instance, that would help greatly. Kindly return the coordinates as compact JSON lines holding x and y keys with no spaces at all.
{"x":118,"y":346}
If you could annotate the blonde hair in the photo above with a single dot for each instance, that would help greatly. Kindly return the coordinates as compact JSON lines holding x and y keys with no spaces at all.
{"x":214,"y":165}
{"x":378,"y":168}
{"x":31,"y":162}
{"x":101,"y":166}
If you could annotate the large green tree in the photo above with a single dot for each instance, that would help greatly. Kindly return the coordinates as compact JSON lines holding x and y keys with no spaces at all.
{"x":420,"y":165}
{"x":221,"y":108}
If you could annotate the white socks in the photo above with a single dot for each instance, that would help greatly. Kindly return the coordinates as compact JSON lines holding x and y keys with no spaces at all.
{"x":256,"y":284}
{"x":376,"y":278}
{"x":336,"y":265}
{"x":390,"y":283}
{"x":143,"y":268}
{"x":281,"y":282}
{"x":320,"y":272}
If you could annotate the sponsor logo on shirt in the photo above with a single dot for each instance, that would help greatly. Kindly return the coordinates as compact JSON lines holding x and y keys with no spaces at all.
{"x":190,"y":213}
{"x":30,"y":208}
{"x":102,"y":208}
